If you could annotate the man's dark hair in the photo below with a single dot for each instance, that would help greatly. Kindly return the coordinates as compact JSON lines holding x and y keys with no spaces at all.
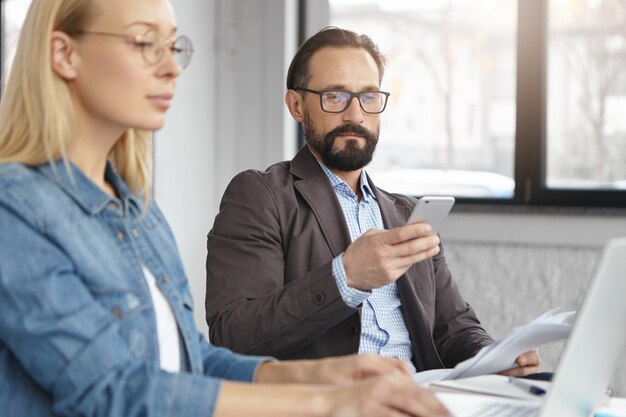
{"x":330,"y":37}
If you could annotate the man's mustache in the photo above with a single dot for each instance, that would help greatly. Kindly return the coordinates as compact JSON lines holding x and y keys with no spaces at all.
{"x":354,"y":129}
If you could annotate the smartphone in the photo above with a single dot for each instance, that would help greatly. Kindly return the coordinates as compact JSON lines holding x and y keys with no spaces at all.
{"x":432,"y":210}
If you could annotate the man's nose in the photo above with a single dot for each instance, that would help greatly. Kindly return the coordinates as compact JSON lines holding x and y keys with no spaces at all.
{"x":353,"y":113}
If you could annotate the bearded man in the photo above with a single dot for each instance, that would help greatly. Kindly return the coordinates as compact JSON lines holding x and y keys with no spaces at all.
{"x":309,"y":259}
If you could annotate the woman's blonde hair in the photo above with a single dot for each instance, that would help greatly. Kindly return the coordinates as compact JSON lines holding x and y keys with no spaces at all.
{"x":36,"y":111}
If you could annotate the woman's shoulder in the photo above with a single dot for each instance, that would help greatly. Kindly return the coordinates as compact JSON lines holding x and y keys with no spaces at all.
{"x":24,"y":189}
{"x":10,"y":171}
{"x":18,"y":178}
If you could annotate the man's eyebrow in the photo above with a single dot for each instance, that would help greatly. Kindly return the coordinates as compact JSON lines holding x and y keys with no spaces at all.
{"x":343,"y":87}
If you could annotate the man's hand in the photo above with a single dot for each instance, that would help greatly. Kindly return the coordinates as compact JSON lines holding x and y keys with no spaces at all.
{"x":379,"y":257}
{"x":336,"y":370}
{"x":527,"y":363}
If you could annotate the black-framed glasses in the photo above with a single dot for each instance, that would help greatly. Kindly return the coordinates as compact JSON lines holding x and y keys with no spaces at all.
{"x":153,"y":45}
{"x":337,"y":101}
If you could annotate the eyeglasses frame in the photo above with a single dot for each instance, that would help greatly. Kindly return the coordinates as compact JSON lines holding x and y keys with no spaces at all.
{"x":137,"y":40}
{"x":320,"y":93}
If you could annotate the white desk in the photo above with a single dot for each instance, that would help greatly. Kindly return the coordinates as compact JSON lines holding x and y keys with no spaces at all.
{"x":463,"y":404}
{"x":615,"y":408}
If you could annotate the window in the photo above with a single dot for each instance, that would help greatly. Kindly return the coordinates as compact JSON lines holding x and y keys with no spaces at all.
{"x":500,"y":101}
{"x":13,"y":13}
{"x":587,"y":95}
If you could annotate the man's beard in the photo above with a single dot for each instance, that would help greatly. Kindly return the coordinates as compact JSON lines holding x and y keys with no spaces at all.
{"x":352,"y":156}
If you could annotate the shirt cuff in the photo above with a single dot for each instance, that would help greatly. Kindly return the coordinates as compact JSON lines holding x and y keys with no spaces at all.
{"x":351,"y":296}
{"x":266,"y":360}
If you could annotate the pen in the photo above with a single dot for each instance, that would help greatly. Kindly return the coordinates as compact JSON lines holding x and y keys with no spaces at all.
{"x":533,"y":389}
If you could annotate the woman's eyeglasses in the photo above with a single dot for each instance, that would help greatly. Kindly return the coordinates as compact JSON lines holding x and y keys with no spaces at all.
{"x":153,"y":45}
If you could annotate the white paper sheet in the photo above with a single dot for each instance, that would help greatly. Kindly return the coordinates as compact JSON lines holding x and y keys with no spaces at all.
{"x":501,"y":355}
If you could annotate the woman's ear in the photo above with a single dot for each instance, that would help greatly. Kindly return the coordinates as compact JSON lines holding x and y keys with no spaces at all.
{"x":294,"y":103}
{"x":64,"y":57}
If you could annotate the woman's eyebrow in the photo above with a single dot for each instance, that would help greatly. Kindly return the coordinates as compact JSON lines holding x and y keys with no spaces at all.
{"x":151,"y":25}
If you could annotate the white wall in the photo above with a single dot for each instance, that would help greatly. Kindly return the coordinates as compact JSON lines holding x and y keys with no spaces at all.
{"x":184,"y":149}
{"x":227,"y":116}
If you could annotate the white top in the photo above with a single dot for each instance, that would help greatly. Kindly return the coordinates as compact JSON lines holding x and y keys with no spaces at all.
{"x":167,"y":329}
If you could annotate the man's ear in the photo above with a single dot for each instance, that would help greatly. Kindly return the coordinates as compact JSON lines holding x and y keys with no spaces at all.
{"x":63,"y":55}
{"x":294,"y":103}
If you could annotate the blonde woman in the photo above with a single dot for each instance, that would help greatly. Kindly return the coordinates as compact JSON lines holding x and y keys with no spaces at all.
{"x":95,"y":309}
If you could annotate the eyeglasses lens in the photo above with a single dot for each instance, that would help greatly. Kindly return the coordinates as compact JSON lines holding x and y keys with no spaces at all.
{"x":154,"y":47}
{"x":182,"y":50}
{"x":338,"y":101}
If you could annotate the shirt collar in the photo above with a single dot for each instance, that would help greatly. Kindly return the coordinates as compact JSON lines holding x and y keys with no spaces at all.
{"x":87,"y":194}
{"x":340,"y":185}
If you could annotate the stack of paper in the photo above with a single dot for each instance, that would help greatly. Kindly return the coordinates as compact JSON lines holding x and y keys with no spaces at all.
{"x":501,"y":355}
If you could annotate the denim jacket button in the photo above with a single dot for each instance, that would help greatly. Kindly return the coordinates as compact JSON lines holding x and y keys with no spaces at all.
{"x":166,"y":279}
{"x":117,"y":312}
{"x":121,"y":235}
{"x":135,"y":233}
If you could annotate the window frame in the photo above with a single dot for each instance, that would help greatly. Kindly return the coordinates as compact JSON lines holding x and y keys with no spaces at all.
{"x":530,"y":159}
{"x":1,"y":44}
{"x":531,"y":130}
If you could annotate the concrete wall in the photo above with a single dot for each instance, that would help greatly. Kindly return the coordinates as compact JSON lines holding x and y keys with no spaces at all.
{"x":513,"y":267}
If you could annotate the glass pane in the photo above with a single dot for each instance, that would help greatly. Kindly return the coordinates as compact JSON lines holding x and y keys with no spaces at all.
{"x":13,"y":15}
{"x":449,"y":126}
{"x":587,"y":94}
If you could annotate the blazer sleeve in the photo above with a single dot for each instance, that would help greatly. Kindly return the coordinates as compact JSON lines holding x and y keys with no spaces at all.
{"x":458,"y":334}
{"x":251,"y":307}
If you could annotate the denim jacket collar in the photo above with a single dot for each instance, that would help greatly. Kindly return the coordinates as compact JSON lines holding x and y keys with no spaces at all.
{"x":88,"y":195}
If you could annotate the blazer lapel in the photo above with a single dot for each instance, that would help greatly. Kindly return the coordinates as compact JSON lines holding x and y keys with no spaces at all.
{"x":393,"y":215}
{"x":415,"y":315}
{"x":313,"y":185}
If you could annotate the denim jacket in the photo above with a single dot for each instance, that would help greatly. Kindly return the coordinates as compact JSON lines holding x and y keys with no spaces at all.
{"x":77,"y":327}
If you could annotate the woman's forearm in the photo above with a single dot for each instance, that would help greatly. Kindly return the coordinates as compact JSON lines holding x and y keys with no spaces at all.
{"x":272,"y":400}
{"x":337,"y":370}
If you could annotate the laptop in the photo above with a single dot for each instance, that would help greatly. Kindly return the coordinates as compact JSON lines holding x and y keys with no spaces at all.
{"x":588,"y":361}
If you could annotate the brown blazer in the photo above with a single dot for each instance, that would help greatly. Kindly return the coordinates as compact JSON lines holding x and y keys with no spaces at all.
{"x":270,"y":289}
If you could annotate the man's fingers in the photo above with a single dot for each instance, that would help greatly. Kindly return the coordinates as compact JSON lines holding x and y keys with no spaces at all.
{"x":406,"y":232}
{"x":521,"y":371}
{"x":415,"y":246}
{"x":530,"y":358}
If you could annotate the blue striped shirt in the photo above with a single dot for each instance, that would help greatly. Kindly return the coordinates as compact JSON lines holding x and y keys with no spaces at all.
{"x":383,"y":330}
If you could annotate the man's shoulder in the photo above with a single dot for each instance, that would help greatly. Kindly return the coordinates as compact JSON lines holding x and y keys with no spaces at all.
{"x":275,"y":177}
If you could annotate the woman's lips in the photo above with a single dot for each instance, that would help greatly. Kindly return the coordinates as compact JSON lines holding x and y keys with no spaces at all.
{"x":162,"y":101}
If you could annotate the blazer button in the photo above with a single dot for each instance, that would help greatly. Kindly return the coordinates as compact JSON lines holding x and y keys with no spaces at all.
{"x":319,"y":298}
{"x":353,"y":331}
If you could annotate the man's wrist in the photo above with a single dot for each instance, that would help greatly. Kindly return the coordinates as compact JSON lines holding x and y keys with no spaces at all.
{"x":351,"y":296}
